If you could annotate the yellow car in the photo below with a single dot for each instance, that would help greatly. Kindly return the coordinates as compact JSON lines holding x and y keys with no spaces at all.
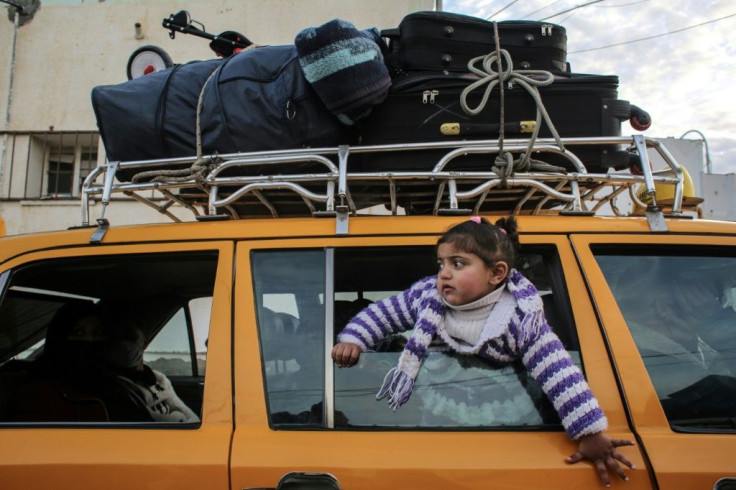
{"x":240,"y":315}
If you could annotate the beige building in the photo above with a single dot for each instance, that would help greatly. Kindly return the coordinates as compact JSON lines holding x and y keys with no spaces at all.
{"x":52,"y":56}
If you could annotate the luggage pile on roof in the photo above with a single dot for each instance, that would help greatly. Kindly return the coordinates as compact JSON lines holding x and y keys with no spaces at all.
{"x":440,"y":93}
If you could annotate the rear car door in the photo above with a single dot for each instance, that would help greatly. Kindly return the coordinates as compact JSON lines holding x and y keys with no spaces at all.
{"x":87,"y":435}
{"x":667,"y":308}
{"x":298,"y":417}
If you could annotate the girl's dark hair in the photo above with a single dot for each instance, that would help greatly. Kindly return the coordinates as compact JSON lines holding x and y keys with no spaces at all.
{"x":478,"y":236}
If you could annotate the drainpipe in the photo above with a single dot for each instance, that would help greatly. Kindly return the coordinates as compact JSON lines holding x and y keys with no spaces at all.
{"x":11,"y":69}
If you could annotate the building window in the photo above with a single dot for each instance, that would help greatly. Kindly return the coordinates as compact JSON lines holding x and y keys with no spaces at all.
{"x":59,"y":174}
{"x":87,"y":163}
{"x":63,"y":164}
{"x":48,"y":165}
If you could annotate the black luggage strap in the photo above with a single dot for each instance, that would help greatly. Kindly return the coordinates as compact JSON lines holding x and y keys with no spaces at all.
{"x":201,"y":167}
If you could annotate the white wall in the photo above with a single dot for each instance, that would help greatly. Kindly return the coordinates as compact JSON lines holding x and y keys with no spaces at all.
{"x":46,"y":215}
{"x":70,"y":46}
{"x":721,"y":192}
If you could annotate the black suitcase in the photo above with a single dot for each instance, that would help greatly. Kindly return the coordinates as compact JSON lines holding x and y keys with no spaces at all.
{"x":447,"y":41}
{"x":423,"y":107}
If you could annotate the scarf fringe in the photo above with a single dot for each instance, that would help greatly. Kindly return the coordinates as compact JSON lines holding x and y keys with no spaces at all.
{"x":531,"y":325}
{"x":397,"y":385}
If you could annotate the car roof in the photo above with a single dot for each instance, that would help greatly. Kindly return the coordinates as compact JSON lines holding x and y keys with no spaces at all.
{"x":302,"y":228}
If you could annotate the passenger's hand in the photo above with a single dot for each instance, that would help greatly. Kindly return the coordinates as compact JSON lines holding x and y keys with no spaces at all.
{"x":600,"y":449}
{"x":346,"y":354}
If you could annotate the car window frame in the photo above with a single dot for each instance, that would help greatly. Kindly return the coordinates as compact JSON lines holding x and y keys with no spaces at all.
{"x":581,"y":313}
{"x":224,"y":250}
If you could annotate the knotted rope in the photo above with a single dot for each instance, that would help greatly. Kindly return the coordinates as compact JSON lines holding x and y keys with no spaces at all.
{"x":201,"y":166}
{"x":505,"y":165}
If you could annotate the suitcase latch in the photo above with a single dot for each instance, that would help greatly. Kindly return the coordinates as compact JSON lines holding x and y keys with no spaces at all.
{"x":429,"y":95}
{"x":450,"y":129}
{"x":546,"y":29}
{"x":527,"y":126}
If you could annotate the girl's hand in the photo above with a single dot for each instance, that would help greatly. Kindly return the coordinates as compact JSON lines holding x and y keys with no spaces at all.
{"x":346,"y":354}
{"x":600,"y":449}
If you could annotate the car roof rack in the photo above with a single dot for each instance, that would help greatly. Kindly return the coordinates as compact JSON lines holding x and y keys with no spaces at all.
{"x":334,"y":182}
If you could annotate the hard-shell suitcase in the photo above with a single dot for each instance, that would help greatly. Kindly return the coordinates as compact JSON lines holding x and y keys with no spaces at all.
{"x":427,"y":108}
{"x":447,"y":41}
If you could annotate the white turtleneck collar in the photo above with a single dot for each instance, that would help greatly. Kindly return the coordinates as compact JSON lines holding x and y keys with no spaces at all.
{"x":486,"y":300}
{"x":465,"y":322}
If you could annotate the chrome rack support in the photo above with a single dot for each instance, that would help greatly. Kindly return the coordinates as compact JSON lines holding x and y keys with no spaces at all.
{"x":654,"y":214}
{"x":102,"y":223}
{"x":109,"y":169}
{"x":453,"y":210}
{"x":163,"y":209}
{"x":211,"y":208}
{"x":342,"y":209}
{"x":677,"y":171}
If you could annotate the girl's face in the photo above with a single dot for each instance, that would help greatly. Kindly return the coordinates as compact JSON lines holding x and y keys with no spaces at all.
{"x":464,"y":277}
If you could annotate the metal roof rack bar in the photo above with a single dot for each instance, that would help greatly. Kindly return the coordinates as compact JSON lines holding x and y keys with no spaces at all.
{"x":332,"y":182}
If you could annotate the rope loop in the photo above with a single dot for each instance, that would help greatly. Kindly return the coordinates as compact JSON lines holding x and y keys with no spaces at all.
{"x":505,"y":75}
{"x":491,"y":78}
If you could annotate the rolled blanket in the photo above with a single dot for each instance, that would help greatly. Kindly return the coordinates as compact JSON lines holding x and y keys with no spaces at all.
{"x":345,"y":67}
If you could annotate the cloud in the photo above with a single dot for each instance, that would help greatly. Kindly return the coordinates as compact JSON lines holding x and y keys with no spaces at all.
{"x":684,"y":79}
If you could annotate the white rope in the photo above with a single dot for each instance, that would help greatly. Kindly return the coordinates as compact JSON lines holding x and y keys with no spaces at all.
{"x":529,"y":80}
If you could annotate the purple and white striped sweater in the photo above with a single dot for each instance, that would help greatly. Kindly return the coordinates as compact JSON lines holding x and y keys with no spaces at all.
{"x":515,"y":329}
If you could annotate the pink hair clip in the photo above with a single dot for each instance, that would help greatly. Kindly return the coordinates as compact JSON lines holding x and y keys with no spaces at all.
{"x":475,"y":219}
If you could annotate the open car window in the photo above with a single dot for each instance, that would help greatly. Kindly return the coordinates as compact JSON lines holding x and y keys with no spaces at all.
{"x":451,"y":391}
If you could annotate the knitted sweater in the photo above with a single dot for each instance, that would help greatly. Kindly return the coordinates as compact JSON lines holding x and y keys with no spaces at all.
{"x":515,"y":329}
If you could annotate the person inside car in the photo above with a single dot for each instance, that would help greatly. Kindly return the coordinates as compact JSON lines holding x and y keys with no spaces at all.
{"x":71,"y":380}
{"x":149,"y":388}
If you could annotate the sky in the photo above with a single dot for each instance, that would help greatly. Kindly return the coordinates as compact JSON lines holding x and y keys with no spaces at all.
{"x":684,"y":75}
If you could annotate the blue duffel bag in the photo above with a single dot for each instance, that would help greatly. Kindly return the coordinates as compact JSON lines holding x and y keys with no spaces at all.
{"x":255,"y":100}
{"x":260,"y":100}
{"x":152,"y":116}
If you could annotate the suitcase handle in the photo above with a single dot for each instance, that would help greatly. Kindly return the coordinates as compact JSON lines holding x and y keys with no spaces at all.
{"x":392,"y":34}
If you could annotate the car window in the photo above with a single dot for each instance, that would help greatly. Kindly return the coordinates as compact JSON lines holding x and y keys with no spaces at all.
{"x":94,"y":339}
{"x":289,"y":290}
{"x":679,"y":305}
{"x":180,"y":347}
{"x":451,"y":390}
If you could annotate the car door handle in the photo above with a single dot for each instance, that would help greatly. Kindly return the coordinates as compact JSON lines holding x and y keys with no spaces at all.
{"x":725,"y":484}
{"x":308,"y":481}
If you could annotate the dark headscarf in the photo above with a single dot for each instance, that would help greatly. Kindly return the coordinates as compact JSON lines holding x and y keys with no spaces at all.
{"x":76,"y":361}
